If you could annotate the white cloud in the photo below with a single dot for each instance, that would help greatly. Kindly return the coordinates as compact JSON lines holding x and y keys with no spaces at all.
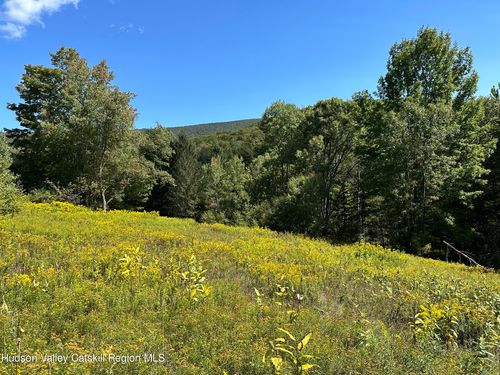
{"x":127,"y":28}
{"x":17,"y":15}
{"x":12,"y":31}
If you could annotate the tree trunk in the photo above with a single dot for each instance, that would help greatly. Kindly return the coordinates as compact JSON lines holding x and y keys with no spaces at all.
{"x":104,"y":202}
{"x":103,"y":190}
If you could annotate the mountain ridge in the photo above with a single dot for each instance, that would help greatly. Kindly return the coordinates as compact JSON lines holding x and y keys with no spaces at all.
{"x":196,"y":130}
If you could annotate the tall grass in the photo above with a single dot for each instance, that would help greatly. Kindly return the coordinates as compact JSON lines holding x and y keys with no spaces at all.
{"x":212,"y":299}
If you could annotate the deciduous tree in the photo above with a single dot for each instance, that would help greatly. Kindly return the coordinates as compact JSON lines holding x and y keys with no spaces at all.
{"x":431,"y":68}
{"x":9,"y":192}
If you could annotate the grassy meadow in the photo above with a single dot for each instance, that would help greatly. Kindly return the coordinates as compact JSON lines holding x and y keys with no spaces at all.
{"x":214,"y":299}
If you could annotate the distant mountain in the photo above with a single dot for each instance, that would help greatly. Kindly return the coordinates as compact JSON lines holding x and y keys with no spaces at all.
{"x":213,"y":128}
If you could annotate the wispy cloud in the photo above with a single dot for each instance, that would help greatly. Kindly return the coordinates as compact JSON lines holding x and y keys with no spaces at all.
{"x":127,"y":28}
{"x":17,"y":15}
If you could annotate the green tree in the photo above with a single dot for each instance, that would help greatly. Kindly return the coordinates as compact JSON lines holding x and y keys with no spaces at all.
{"x":273,"y":170}
{"x":426,"y":163}
{"x":78,"y":131}
{"x":245,"y":143}
{"x":415,"y":168}
{"x":182,"y":199}
{"x":430,"y":68}
{"x":225,"y":195}
{"x":426,"y":143}
{"x":9,"y":193}
{"x":52,"y":103}
{"x":279,"y":124}
{"x":305,"y":178}
{"x":326,"y":160}
{"x":487,"y":205}
{"x":111,"y":162}
{"x":156,"y":145}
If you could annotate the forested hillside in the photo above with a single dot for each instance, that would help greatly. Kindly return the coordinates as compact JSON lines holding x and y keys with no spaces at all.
{"x":410,"y":166}
{"x":215,"y":299}
{"x":212,"y":128}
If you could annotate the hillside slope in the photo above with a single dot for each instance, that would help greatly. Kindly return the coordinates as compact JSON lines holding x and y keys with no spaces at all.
{"x":213,"y":128}
{"x":210,"y":298}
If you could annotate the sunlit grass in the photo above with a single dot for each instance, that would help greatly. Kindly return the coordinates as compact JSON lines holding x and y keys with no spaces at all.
{"x":211,"y":298}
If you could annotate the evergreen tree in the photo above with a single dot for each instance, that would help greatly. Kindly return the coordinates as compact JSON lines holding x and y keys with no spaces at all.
{"x":182,"y":199}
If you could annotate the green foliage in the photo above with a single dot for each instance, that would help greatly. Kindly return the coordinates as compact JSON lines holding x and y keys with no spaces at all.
{"x":327,"y":162}
{"x":182,"y":198}
{"x":130,"y":264}
{"x":194,"y":280}
{"x":275,"y":166}
{"x":156,"y":145}
{"x":437,"y":324}
{"x":244,"y":143}
{"x":10,"y":194}
{"x":429,"y":68}
{"x":52,"y":193}
{"x":288,"y":352}
{"x":426,"y":145}
{"x":78,"y":131}
{"x":423,"y":164}
{"x":80,"y":281}
{"x":416,"y":166}
{"x":201,"y":130}
{"x":487,"y":206}
{"x":305,"y":178}
{"x":225,"y":198}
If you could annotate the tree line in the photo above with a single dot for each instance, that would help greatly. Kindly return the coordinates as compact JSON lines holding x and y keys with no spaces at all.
{"x":409,"y":166}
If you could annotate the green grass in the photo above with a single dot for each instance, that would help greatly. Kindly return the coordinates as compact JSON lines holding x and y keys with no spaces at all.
{"x":77,"y":282}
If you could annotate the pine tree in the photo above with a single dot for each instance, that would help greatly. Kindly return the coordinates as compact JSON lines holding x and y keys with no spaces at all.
{"x":182,"y":199}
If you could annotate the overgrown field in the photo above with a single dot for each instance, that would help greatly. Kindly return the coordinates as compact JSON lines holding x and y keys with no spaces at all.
{"x":215,"y":299}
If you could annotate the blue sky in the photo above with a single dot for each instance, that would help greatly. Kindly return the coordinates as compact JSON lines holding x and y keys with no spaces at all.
{"x":196,"y":61}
